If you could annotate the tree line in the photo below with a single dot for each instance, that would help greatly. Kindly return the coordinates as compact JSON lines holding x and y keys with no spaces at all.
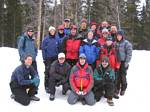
{"x":129,"y":15}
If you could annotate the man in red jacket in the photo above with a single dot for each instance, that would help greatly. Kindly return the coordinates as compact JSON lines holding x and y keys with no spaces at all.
{"x":81,"y":81}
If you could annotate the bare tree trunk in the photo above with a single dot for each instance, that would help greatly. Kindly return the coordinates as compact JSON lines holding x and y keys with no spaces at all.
{"x":55,"y":11}
{"x":39,"y":24}
{"x":62,"y":4}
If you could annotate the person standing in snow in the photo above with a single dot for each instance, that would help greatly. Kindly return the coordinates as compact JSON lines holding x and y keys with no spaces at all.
{"x":59,"y":75}
{"x":71,"y":46}
{"x":90,"y":49}
{"x":24,"y":82}
{"x":49,"y":53}
{"x":26,"y":45}
{"x":124,"y":55}
{"x":81,"y":81}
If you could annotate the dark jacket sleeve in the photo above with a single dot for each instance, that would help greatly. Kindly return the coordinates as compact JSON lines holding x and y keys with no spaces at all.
{"x":21,"y":47}
{"x":44,"y":49}
{"x":20,"y":78}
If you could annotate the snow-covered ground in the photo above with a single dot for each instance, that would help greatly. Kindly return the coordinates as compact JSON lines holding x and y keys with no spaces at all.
{"x":136,"y":98}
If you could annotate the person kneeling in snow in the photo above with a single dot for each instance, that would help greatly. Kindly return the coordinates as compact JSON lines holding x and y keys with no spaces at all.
{"x":81,"y":81}
{"x":24,"y":82}
{"x":104,"y":78}
{"x":59,"y":75}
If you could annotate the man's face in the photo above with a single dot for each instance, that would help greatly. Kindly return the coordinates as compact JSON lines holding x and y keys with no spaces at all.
{"x":28,"y":61}
{"x":105,"y":63}
{"x":61,"y":31}
{"x":61,"y":60}
{"x":82,"y":61}
{"x":30,"y":33}
{"x":66,"y":24}
{"x":83,"y":25}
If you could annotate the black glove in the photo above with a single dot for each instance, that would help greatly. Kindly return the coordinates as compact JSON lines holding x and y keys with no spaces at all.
{"x":107,"y":78}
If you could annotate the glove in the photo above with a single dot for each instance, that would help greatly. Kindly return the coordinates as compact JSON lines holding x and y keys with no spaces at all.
{"x":107,"y":78}
{"x":35,"y":81}
{"x":126,"y":65}
{"x":79,"y":92}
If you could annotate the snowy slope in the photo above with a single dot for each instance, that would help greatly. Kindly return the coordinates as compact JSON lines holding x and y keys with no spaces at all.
{"x":136,"y":98}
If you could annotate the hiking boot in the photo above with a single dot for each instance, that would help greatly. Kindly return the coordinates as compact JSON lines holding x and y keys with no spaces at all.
{"x":64,"y":92}
{"x":83,"y":102}
{"x":116,"y":96}
{"x":110,"y":102}
{"x":122,"y":93}
{"x":51,"y":97}
{"x":34,"y":98}
{"x":12,"y":96}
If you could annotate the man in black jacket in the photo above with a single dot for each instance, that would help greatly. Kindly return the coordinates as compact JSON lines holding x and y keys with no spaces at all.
{"x":24,"y":82}
{"x":59,"y":75}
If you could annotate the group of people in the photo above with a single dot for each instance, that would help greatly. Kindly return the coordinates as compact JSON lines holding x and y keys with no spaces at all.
{"x":91,"y":62}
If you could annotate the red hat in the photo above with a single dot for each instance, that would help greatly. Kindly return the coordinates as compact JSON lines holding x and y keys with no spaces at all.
{"x":73,"y":27}
{"x":61,"y":27}
{"x":83,"y":21}
{"x":93,"y":23}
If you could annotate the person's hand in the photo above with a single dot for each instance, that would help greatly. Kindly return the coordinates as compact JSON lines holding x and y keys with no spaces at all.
{"x":84,"y":93}
{"x":35,"y":81}
{"x":126,"y":65}
{"x":79,"y":92}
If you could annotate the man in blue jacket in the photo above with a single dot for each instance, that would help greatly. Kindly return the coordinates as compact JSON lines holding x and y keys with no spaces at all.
{"x":24,"y":82}
{"x":26,"y":45}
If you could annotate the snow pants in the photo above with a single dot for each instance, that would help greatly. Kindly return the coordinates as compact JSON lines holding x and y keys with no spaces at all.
{"x":23,"y":93}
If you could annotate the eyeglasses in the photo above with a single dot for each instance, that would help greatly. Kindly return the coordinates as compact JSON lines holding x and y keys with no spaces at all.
{"x":61,"y":58}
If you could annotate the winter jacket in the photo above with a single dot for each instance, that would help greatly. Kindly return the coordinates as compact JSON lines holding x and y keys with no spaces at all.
{"x":110,"y":52}
{"x":26,"y":45}
{"x":71,"y":47}
{"x":60,"y":70}
{"x":101,"y":41}
{"x":67,"y":31}
{"x":104,"y":74}
{"x":90,"y":49}
{"x":124,"y":50}
{"x":49,"y":47}
{"x":61,"y":38}
{"x":81,"y":78}
{"x":23,"y":75}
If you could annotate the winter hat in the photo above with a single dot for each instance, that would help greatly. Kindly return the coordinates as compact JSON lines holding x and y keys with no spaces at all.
{"x":109,"y":38}
{"x":30,"y":29}
{"x":67,"y":20}
{"x":83,"y":21}
{"x":61,"y":55}
{"x":105,"y":30}
{"x":61,"y":27}
{"x":93,"y":23}
{"x":120,"y":32}
{"x":82,"y":55}
{"x":51,"y":28}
